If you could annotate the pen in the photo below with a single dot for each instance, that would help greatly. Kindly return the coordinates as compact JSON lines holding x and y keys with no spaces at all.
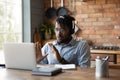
{"x":106,"y":59}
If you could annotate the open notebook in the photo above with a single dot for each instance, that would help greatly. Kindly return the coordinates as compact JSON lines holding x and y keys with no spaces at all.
{"x":63,"y":66}
{"x":50,"y":70}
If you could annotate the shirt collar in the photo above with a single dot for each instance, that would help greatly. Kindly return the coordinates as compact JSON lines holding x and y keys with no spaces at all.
{"x":70,"y":43}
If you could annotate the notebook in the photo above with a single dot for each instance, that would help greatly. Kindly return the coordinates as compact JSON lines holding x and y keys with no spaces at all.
{"x":46,"y":71}
{"x":20,"y":55}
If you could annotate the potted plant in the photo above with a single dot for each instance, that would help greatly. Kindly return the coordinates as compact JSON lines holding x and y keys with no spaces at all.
{"x":48,"y":29}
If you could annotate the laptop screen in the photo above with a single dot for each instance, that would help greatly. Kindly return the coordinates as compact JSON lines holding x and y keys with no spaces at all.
{"x":20,"y":55}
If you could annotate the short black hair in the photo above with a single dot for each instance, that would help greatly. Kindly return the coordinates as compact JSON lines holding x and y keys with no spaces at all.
{"x":67,"y":21}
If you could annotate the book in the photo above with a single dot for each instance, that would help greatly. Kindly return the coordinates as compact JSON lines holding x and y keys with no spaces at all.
{"x":46,"y":71}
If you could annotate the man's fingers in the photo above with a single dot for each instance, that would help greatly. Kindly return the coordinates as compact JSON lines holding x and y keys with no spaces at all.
{"x":50,"y":44}
{"x":44,"y":57}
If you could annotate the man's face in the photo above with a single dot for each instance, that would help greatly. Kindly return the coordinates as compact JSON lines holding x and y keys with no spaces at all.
{"x":62,"y":33}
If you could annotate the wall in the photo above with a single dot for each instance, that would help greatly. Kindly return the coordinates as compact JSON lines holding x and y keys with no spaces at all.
{"x":98,"y":20}
{"x":37,"y":14}
{"x":26,"y":21}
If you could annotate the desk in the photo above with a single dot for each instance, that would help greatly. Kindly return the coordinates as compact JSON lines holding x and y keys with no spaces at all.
{"x":79,"y":74}
{"x":109,"y":52}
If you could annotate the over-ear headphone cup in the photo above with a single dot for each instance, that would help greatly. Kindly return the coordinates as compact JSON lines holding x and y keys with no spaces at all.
{"x":72,"y":31}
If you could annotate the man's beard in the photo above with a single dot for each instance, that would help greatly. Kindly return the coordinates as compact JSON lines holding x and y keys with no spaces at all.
{"x":66,"y":40}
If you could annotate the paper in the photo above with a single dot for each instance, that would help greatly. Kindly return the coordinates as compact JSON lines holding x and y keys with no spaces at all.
{"x":66,"y":66}
{"x":63,"y":66}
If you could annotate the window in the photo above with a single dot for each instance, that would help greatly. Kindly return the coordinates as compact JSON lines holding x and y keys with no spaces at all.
{"x":10,"y":23}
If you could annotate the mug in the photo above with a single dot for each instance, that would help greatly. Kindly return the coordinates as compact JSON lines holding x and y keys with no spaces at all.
{"x":102,"y":68}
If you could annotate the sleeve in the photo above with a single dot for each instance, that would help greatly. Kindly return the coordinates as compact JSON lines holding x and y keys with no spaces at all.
{"x":44,"y":50}
{"x":84,"y":55}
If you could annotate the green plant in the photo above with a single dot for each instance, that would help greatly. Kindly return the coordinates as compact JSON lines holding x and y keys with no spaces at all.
{"x":47,"y":28}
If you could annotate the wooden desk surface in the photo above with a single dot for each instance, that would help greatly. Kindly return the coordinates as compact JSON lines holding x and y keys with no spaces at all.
{"x":79,"y":74}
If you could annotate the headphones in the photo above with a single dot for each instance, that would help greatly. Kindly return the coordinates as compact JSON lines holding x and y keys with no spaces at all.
{"x":73,"y":27}
{"x":72,"y":24}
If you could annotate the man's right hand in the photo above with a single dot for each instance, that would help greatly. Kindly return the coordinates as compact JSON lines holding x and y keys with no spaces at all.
{"x":39,"y":56}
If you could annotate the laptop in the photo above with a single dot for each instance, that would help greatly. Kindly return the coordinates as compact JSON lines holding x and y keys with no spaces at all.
{"x":20,"y":56}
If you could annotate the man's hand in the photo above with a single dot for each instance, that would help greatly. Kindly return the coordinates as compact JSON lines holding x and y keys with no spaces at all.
{"x":39,"y":56}
{"x":55,"y":52}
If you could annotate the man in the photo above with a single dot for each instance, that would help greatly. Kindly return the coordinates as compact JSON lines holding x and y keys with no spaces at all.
{"x":65,"y":50}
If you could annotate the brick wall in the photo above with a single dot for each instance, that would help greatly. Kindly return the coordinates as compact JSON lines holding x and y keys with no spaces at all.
{"x":99,"y":20}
